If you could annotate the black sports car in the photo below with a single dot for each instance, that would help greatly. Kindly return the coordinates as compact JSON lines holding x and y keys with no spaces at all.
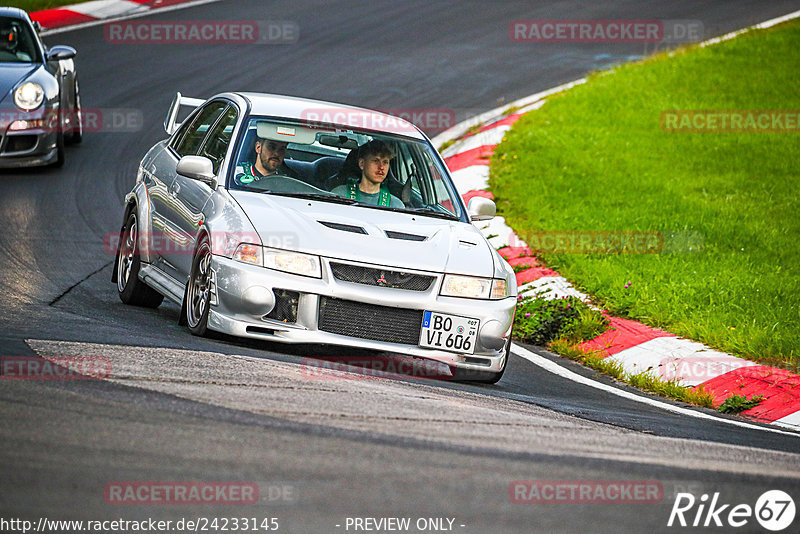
{"x":40,"y":107}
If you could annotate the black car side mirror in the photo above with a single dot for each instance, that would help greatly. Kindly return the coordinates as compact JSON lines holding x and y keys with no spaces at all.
{"x":60,"y":52}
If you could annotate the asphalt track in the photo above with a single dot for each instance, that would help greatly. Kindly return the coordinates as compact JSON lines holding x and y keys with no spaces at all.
{"x":180,"y":408}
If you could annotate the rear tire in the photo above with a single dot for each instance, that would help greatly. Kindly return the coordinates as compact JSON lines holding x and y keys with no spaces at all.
{"x":132,"y":290}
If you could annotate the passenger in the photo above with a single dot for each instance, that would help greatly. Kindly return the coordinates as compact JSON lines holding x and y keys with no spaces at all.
{"x":373,"y":160}
{"x":269,"y":161}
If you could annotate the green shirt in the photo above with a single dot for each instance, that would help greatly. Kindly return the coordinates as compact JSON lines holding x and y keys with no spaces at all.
{"x":368,"y":198}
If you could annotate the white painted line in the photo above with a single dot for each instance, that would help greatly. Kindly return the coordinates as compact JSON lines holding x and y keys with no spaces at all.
{"x":489,"y":137}
{"x":690,"y":362}
{"x":760,"y":26}
{"x":551,"y":287}
{"x":103,"y":9}
{"x":503,"y":234}
{"x":556,"y":369}
{"x":472,"y":178}
{"x":461,"y":128}
{"x":137,"y":15}
{"x":790,"y":421}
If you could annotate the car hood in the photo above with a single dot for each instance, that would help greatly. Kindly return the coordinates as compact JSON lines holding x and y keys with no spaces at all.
{"x":326,"y":229}
{"x":11,"y":74}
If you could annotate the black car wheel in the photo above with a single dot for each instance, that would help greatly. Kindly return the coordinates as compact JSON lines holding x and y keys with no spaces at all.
{"x":198,"y":291}
{"x":132,"y":290}
{"x":481,"y":377}
{"x":76,"y":134}
{"x":59,"y":162}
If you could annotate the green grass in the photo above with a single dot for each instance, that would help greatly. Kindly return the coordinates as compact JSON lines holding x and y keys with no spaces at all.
{"x":39,"y":5}
{"x":595,"y":158}
{"x":738,"y":403}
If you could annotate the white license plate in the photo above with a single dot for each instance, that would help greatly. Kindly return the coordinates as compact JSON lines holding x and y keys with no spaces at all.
{"x":449,"y":332}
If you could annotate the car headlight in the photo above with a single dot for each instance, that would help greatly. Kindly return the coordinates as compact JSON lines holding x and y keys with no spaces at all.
{"x":292,"y":262}
{"x":280,"y":260}
{"x":247,"y":253}
{"x":474,"y":288}
{"x":29,"y":96}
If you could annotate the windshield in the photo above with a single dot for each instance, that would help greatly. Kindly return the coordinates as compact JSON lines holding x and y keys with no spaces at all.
{"x":17,"y":41}
{"x":364,"y":168}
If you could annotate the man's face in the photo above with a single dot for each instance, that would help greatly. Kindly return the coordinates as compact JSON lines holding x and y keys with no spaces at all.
{"x":270,"y":154}
{"x":375,"y":167}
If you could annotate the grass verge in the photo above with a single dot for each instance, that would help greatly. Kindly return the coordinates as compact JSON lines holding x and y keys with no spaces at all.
{"x":40,"y":5}
{"x":726,"y":205}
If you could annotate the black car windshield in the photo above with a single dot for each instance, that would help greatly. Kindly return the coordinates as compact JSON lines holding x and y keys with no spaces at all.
{"x":369,"y":169}
{"x":17,"y":41}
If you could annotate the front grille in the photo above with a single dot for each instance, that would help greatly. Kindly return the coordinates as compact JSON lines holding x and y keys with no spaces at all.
{"x":381,"y":277}
{"x":285,"y":309}
{"x":369,"y":321}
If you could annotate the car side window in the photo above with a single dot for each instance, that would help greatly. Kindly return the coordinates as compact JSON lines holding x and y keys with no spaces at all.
{"x":216,"y":144}
{"x":188,"y":142}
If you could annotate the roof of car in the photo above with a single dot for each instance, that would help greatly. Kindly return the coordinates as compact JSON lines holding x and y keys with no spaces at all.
{"x":292,"y":107}
{"x":13,"y":12}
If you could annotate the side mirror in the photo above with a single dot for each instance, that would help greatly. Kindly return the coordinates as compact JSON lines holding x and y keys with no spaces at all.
{"x":198,"y":168}
{"x":59,"y":52}
{"x":481,"y":209}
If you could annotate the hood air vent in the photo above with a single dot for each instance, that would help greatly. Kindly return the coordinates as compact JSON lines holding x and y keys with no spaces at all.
{"x":343,"y":227}
{"x":408,"y":237}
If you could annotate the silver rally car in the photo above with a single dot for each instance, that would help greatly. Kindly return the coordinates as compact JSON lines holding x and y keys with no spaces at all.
{"x":300,"y":254}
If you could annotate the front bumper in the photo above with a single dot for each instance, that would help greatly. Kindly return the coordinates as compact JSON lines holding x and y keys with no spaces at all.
{"x":27,"y":148}
{"x":243,"y":296}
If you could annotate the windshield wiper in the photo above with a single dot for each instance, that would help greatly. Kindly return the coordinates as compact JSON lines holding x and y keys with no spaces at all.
{"x":434,"y":213}
{"x":314,"y":196}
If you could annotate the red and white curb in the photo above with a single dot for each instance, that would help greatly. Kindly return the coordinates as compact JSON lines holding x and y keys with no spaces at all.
{"x":97,"y":11}
{"x":638,"y":347}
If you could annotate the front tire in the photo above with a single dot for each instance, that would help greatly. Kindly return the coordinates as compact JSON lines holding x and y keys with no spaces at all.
{"x":481,"y":377}
{"x":76,"y":135}
{"x":198,"y":291}
{"x":60,"y":157}
{"x":132,"y":290}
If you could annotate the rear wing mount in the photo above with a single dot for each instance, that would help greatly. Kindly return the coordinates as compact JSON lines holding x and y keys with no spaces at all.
{"x":170,"y":124}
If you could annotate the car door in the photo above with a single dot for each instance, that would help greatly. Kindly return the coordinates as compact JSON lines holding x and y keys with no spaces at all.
{"x":192,"y":195}
{"x":174,"y":218}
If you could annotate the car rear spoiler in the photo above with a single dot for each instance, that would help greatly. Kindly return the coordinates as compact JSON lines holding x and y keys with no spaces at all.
{"x":170,"y":124}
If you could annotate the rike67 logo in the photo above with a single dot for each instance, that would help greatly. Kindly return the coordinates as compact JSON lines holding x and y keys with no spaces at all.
{"x":774,"y":511}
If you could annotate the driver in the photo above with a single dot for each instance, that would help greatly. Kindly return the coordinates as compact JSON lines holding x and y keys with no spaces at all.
{"x":370,"y":188}
{"x":269,"y":161}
